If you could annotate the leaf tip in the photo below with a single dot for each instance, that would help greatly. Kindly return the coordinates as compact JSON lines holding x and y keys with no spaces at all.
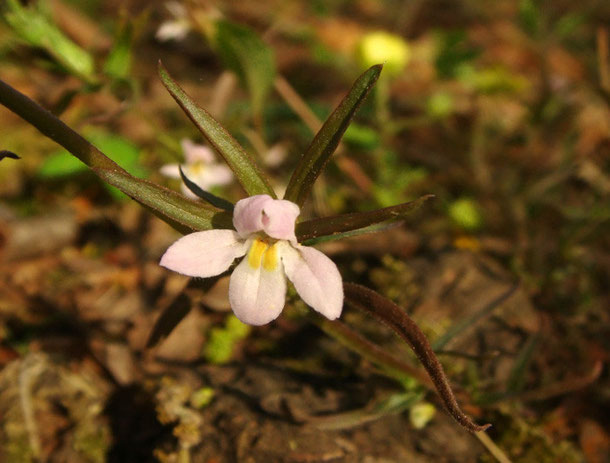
{"x":162,"y":70}
{"x":377,"y":68}
{"x":8,"y":154}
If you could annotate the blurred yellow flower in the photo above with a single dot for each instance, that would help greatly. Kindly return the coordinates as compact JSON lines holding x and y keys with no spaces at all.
{"x":383,"y":47}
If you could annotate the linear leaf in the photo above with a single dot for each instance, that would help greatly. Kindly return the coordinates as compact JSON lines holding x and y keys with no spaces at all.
{"x":341,"y":224}
{"x":214,"y":200}
{"x":165,"y":203}
{"x":327,"y":139}
{"x":191,"y":214}
{"x":245,"y":169}
{"x":377,"y":228}
{"x":33,"y":26}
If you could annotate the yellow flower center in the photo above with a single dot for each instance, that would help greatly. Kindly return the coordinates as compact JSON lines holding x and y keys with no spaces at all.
{"x":261,"y":251}
{"x":195,"y":168}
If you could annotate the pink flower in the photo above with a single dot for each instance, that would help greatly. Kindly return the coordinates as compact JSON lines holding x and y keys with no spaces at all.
{"x":200,"y":168}
{"x":265,"y":235}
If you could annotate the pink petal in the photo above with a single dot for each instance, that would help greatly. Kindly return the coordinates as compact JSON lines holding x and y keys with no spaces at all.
{"x":170,"y":170}
{"x":248,"y":214}
{"x":276,"y":217}
{"x":196,"y":153}
{"x":204,"y":254}
{"x":315,"y":277}
{"x":257,"y":295}
{"x":279,"y":217}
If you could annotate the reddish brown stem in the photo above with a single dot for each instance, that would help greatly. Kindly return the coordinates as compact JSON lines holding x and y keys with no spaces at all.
{"x":386,"y":311}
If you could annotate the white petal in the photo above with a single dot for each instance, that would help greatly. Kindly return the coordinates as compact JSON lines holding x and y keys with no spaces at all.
{"x":213,"y":175}
{"x":196,"y":153}
{"x":248,"y":214}
{"x":204,"y":254}
{"x":170,"y":170}
{"x":220,"y":174}
{"x":257,"y":294}
{"x":315,"y":277}
{"x":172,"y":30}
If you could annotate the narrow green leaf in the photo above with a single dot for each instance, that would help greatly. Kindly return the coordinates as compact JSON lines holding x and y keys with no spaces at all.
{"x":243,"y":51}
{"x":389,"y":363}
{"x":33,"y":26}
{"x":59,"y":165}
{"x":389,"y":405}
{"x":327,"y":139}
{"x":246,"y":171}
{"x":118,"y":62}
{"x":377,"y":228}
{"x":342,"y":224}
{"x":516,"y":380}
{"x":167,"y":204}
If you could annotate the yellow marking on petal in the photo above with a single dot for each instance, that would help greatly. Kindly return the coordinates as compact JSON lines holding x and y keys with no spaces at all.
{"x":255,"y":254}
{"x":270,"y":259}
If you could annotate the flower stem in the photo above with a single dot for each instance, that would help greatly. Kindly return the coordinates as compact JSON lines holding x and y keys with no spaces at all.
{"x":387,"y":312}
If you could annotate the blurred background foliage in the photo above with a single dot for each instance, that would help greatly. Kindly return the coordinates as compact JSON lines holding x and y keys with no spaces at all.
{"x":498,"y":108}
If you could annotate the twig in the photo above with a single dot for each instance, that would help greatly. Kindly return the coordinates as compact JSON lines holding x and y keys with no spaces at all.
{"x":603,"y":58}
{"x":223,"y":88}
{"x":492,"y":448}
{"x":296,"y":103}
{"x":29,"y":369}
{"x":562,"y":387}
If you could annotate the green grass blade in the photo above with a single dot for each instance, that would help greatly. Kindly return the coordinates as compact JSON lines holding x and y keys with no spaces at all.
{"x":167,"y":204}
{"x":327,"y":139}
{"x":33,"y":26}
{"x":470,"y":321}
{"x":246,"y":171}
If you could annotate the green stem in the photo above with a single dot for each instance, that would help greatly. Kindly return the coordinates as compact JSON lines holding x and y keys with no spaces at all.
{"x":54,"y":128}
{"x":373,"y":353}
